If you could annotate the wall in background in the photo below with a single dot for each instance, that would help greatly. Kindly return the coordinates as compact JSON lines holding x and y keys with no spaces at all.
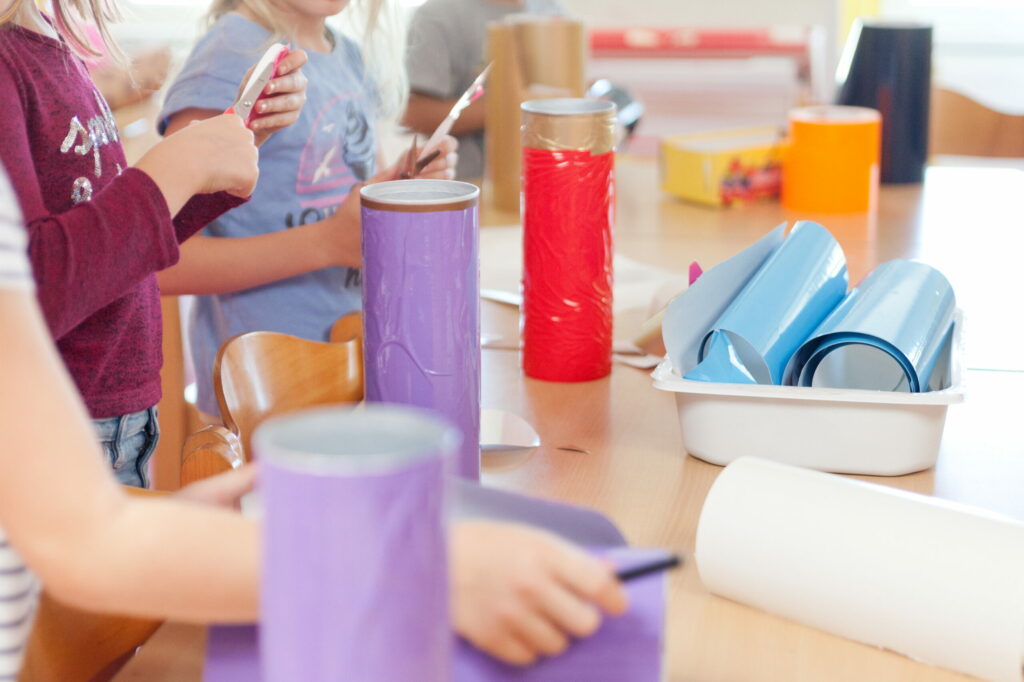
{"x":826,"y":14}
{"x":698,"y":13}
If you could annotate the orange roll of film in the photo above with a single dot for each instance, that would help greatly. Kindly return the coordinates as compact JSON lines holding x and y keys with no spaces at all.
{"x":831,"y":162}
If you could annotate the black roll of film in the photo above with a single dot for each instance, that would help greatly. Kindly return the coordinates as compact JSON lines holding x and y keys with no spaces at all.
{"x":887,"y":65}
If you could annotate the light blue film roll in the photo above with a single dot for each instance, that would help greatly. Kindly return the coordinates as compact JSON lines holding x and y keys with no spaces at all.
{"x":887,"y":334}
{"x":790,"y":295}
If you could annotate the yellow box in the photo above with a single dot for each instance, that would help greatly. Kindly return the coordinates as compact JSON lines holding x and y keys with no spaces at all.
{"x":723,"y":167}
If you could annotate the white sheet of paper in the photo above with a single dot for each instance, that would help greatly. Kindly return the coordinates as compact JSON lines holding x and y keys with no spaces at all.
{"x":936,"y":581}
{"x":501,"y":430}
{"x":639,"y":289}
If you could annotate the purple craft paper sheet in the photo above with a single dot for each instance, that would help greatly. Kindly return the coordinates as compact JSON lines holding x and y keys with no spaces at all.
{"x":629,"y":648}
{"x":421,"y":312}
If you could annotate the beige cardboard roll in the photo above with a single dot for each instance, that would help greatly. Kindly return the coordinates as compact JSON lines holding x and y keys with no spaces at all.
{"x":534,"y":57}
{"x":936,"y":581}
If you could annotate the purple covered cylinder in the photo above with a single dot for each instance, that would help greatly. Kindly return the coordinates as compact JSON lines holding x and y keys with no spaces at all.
{"x":421,"y":302}
{"x":355,"y":559}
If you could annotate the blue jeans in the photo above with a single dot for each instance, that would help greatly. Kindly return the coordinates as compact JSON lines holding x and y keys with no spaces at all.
{"x":129,"y":442}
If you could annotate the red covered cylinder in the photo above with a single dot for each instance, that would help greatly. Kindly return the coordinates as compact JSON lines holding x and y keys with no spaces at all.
{"x":568,"y":207}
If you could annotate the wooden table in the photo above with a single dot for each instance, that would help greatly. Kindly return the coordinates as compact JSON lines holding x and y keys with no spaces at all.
{"x":614,"y":444}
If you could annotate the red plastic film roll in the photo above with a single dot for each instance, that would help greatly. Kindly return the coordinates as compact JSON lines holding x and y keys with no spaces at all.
{"x":568,"y":205}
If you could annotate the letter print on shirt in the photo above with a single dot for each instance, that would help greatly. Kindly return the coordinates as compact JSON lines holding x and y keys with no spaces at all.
{"x":98,"y":131}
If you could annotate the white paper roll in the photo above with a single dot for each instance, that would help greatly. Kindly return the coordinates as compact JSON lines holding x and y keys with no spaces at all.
{"x":939,"y":582}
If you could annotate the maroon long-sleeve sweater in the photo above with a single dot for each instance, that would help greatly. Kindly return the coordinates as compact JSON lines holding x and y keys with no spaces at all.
{"x":98,"y":230}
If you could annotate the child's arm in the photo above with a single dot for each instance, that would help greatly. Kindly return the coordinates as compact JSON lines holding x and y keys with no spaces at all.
{"x":218,"y":265}
{"x":279,"y":108}
{"x":88,"y":256}
{"x":90,"y":544}
{"x":516,"y":593}
{"x":276,"y":255}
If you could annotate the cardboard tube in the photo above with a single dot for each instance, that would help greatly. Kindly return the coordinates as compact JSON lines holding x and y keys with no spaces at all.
{"x":533,"y":57}
{"x":568,"y":212}
{"x":354,"y":552}
{"x":421,"y":302}
{"x":831,"y":162}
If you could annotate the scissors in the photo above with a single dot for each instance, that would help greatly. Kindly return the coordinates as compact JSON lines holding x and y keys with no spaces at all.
{"x":414,"y":167}
{"x":265,"y":69}
{"x":474,"y":92}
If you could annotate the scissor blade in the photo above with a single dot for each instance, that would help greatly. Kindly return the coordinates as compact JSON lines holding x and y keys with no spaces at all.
{"x":258,"y":80}
{"x":464,"y":101}
{"x":253,"y":89}
{"x":467,"y":96}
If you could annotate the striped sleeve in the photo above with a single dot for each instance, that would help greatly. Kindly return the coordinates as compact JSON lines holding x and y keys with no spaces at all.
{"x":18,"y":598}
{"x":18,"y":588}
{"x":14,"y":268}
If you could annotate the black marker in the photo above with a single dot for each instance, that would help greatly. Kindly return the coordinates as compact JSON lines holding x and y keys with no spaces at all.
{"x":656,"y":566}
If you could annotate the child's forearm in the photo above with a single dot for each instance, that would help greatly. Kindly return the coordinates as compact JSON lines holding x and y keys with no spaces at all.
{"x":91,"y":255}
{"x":176,"y":181}
{"x":62,"y":511}
{"x":163,"y":558}
{"x":215,"y":265}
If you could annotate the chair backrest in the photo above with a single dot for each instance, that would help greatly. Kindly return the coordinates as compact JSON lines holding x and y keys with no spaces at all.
{"x":209,"y":451}
{"x":261,"y":374}
{"x":960,"y":125}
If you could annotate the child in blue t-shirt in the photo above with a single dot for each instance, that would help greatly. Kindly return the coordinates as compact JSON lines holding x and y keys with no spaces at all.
{"x":296,"y":268}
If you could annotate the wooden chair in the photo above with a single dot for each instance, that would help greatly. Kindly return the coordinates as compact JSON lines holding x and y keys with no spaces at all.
{"x":71,"y":645}
{"x":261,"y":374}
{"x":961,"y":126}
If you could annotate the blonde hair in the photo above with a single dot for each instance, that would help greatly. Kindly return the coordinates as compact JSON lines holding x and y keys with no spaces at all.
{"x":378,"y":27}
{"x":71,"y":16}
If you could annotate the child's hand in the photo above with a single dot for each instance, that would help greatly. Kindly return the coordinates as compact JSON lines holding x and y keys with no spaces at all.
{"x":212,"y":155}
{"x":227,"y":153}
{"x":285,"y":96}
{"x":518,"y":593}
{"x":441,"y":168}
{"x":222,"y":490}
{"x":342,"y":232}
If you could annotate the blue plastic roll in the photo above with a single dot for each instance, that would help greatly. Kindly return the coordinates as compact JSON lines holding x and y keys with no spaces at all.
{"x":888,"y":66}
{"x":887,"y":334}
{"x":791,"y":294}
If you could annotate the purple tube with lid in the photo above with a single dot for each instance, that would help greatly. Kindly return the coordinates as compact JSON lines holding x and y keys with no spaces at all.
{"x":354,"y":556}
{"x":421,"y":302}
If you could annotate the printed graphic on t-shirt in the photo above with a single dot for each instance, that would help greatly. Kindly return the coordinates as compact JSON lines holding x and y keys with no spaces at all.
{"x":87,"y":138}
{"x":337,"y":155}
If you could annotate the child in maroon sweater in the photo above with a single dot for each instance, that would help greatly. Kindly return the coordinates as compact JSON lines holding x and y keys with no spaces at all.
{"x":99,"y":230}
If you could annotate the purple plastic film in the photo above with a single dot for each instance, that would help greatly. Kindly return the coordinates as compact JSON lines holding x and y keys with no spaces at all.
{"x":354,"y":566}
{"x":626,"y":648}
{"x":421,"y":302}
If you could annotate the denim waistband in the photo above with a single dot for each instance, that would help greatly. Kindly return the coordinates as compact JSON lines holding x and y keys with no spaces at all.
{"x":127,"y":425}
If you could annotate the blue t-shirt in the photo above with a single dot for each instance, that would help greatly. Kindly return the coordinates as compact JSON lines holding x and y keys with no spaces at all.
{"x":306,"y":171}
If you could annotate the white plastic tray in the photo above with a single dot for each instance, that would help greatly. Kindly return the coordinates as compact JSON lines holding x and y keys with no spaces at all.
{"x":876,"y":433}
